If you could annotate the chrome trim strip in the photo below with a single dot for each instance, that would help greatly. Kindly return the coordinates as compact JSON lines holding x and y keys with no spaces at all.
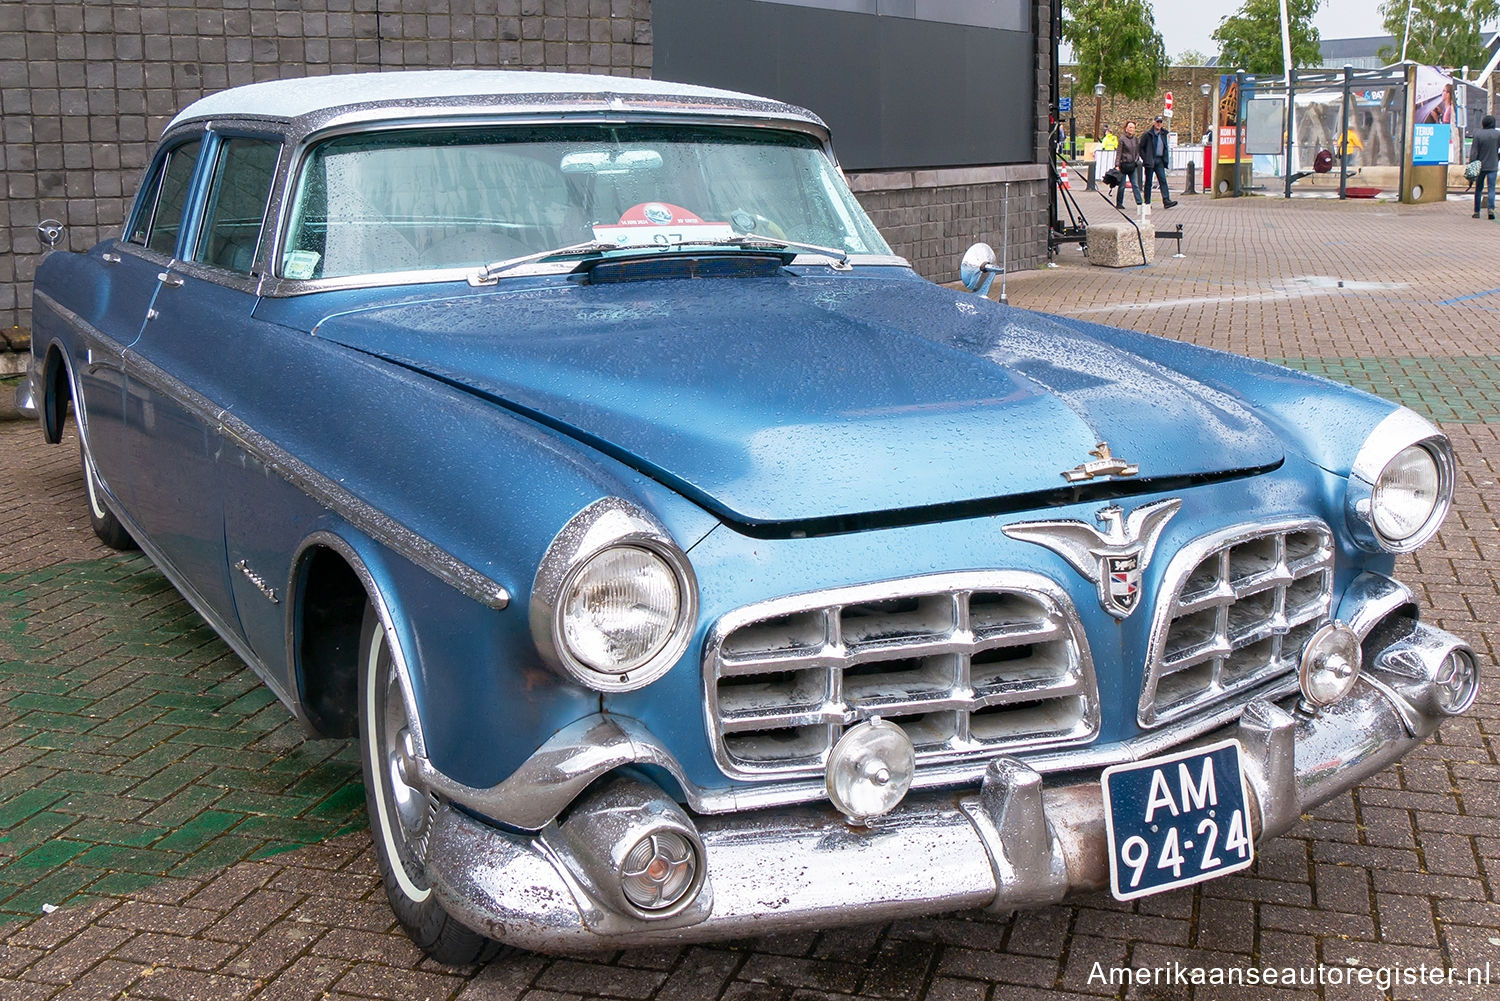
{"x":319,"y":487}
{"x":834,"y":655}
{"x":1180,"y":569}
{"x":1370,"y":599}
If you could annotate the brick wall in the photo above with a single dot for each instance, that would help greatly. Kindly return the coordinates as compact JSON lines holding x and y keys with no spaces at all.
{"x":86,"y":89}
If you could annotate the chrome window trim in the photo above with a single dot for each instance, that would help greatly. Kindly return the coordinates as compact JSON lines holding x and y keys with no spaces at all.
{"x":934,"y":767}
{"x":316,"y":485}
{"x":1398,"y":431}
{"x":606,"y":524}
{"x":1176,"y":576}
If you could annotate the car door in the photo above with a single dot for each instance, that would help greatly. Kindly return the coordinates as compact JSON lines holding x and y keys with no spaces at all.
{"x":127,"y":284}
{"x":181,"y":371}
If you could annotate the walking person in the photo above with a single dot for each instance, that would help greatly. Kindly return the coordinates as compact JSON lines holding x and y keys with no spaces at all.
{"x":1128,"y":162}
{"x":1486,"y":150}
{"x":1155,"y":157}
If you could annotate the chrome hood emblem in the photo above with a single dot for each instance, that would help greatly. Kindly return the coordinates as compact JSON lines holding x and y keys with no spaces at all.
{"x":1105,"y":464}
{"x":1114,"y":558}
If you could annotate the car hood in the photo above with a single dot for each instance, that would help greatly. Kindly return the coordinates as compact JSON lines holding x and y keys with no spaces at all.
{"x":793,"y":399}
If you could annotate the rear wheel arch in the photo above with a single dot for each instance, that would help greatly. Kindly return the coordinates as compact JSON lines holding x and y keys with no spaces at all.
{"x":57,"y":393}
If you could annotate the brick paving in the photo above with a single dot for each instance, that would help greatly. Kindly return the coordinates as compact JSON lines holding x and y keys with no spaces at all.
{"x":150,"y":789}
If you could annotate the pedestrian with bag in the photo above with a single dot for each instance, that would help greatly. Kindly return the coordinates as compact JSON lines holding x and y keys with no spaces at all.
{"x":1486,"y":152}
{"x":1155,"y":156}
{"x":1128,"y":163}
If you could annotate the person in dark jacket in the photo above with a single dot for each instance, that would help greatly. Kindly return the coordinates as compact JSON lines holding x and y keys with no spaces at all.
{"x":1486,"y":150}
{"x":1154,"y":160}
{"x":1128,"y":161}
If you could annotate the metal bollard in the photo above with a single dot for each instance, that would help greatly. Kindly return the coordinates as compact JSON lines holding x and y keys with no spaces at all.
{"x":1192,"y":187}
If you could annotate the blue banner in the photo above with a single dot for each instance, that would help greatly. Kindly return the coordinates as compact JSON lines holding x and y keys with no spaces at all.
{"x":1429,"y":143}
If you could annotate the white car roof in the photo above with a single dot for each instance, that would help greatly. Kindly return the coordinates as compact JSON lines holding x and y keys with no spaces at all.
{"x":303,"y":96}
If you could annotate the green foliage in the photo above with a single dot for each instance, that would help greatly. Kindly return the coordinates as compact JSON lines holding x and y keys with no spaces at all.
{"x":1115,"y":41}
{"x":1193,"y":57}
{"x":1250,"y":38}
{"x":1443,"y":32}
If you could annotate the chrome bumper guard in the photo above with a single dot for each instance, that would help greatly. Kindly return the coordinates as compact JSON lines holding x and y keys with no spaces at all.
{"x":27,"y":395}
{"x":1016,"y":843}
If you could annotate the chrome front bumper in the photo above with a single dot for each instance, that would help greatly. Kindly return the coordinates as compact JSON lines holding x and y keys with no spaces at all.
{"x":1015,"y":843}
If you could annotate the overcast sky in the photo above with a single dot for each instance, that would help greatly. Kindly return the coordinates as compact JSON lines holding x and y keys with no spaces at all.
{"x":1187,"y":24}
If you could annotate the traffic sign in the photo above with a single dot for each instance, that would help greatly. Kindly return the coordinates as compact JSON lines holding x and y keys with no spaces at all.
{"x":1168,"y":102}
{"x":1065,"y":104}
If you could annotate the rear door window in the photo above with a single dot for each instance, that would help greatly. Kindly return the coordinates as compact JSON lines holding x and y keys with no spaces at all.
{"x":237,"y":203}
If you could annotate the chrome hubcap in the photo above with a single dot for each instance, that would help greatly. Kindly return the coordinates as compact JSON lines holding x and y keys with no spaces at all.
{"x":408,"y":802}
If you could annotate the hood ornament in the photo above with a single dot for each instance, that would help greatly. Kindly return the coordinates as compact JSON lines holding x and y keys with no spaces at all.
{"x":1105,"y":465}
{"x":1114,"y":558}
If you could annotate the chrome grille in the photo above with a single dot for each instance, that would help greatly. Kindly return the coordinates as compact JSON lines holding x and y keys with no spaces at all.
{"x":1241,"y":605}
{"x":966,"y":664}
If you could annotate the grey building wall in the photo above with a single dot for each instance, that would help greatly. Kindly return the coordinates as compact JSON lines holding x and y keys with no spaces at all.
{"x":86,"y":88}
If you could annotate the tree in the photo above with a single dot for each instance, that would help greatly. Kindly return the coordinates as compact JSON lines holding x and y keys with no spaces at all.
{"x":1250,"y":38}
{"x":1443,"y":32}
{"x":1193,"y":57}
{"x":1115,"y":41}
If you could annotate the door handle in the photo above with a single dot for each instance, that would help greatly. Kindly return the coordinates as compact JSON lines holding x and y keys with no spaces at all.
{"x":169,"y":280}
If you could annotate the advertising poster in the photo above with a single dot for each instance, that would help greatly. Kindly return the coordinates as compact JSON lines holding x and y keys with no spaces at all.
{"x":1228,"y":117}
{"x":1433,"y":117}
{"x":1429,"y":143}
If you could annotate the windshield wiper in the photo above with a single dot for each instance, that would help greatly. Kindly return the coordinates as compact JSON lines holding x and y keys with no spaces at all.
{"x":490,"y":272}
{"x":841,"y":257}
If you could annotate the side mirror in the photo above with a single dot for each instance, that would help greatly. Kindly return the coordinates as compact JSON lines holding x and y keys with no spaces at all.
{"x":977,"y":269}
{"x":50,"y":232}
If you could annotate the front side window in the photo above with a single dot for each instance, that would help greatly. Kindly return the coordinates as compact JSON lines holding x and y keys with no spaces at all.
{"x":172,"y":198}
{"x":237,"y":204}
{"x":464,"y":197}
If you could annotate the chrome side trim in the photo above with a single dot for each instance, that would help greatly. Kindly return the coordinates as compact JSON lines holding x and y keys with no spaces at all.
{"x":326,"y":491}
{"x":1275,"y":580}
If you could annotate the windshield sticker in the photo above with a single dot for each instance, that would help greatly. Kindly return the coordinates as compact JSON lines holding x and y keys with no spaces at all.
{"x":301,"y":264}
{"x":661,"y":224}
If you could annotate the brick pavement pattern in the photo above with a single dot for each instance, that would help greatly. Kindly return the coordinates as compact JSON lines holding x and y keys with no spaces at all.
{"x":108,"y":684}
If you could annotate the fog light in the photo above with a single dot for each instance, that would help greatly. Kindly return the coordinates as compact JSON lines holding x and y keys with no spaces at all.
{"x":1457,"y":682}
{"x":870,"y":769}
{"x":659,"y":871}
{"x":1330,"y":663}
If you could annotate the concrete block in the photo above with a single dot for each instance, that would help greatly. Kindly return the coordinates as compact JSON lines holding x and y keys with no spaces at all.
{"x":1117,"y":244}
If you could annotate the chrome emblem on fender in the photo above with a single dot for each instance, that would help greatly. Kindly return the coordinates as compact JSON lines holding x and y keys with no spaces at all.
{"x":1104,"y":465}
{"x":1114,"y":558}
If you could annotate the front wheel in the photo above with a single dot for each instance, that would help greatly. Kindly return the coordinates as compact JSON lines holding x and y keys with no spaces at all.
{"x":101,"y":519}
{"x":400,"y":814}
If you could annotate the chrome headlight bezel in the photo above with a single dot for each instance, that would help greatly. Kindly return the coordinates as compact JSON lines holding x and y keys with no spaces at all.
{"x":1398,"y":432}
{"x":607,"y":524}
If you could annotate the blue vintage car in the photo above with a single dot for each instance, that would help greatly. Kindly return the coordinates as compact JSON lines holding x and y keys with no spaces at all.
{"x":686,"y":565}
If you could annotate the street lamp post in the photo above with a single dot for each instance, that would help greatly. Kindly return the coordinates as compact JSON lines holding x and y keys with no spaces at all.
{"x":1208,"y":118}
{"x":1098,"y":109}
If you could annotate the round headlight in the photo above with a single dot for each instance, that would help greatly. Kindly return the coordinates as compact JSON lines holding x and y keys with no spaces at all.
{"x":870,"y":769}
{"x":1330,"y":664}
{"x":620,"y":609}
{"x":1407,"y":493}
{"x":1400,"y":485}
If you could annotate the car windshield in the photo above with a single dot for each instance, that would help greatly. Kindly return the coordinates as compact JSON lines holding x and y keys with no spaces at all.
{"x":428,"y":199}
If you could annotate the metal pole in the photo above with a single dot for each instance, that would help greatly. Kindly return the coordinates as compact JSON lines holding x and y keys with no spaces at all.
{"x":1291,"y":122}
{"x":1098,"y":115}
{"x":1239,"y":126}
{"x":1344,"y":140}
{"x":1005,"y":242}
{"x":1406,"y":34}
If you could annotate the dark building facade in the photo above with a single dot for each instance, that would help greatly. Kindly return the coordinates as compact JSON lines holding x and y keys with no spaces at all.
{"x":935,"y":104}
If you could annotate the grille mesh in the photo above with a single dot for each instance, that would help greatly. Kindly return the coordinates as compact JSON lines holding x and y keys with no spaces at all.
{"x":1240,"y":611}
{"x":966,"y":667}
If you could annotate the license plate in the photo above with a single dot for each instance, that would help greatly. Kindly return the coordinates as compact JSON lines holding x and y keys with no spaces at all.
{"x":1177,"y":820}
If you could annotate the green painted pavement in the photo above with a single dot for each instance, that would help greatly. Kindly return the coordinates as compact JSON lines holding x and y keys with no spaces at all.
{"x":1456,"y":390}
{"x":135,"y":745}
